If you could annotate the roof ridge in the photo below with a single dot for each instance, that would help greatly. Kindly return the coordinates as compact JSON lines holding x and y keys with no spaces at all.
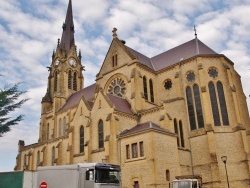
{"x":152,"y":63}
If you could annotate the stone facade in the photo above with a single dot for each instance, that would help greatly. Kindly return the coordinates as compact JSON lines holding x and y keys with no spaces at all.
{"x":174,"y":114}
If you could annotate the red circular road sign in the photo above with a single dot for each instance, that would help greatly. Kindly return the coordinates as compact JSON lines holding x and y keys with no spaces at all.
{"x":43,"y":185}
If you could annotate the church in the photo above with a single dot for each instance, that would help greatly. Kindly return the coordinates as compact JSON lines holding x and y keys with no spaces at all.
{"x":173,"y":114}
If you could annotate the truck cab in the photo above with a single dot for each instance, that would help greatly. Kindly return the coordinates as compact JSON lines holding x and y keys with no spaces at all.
{"x":188,"y":181}
{"x":100,"y":175}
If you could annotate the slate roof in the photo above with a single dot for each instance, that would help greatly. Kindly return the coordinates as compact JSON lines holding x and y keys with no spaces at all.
{"x":89,"y":92}
{"x":145,"y":126}
{"x":120,"y":104}
{"x":74,"y":99}
{"x":174,"y":55}
{"x":142,"y":58}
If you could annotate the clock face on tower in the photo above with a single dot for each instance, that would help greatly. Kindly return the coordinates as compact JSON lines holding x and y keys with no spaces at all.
{"x":57,"y":62}
{"x":72,"y":62}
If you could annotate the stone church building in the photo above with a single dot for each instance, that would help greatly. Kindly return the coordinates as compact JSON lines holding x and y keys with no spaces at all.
{"x":173,"y":114}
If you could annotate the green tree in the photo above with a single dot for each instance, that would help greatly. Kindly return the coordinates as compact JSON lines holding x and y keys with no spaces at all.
{"x":9,"y":101}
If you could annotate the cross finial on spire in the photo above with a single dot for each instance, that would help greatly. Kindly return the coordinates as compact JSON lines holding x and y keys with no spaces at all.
{"x":114,"y":32}
{"x":196,"y":41}
{"x":195,"y":34}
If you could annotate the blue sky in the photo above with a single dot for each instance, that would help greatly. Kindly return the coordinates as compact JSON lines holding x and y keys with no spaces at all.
{"x":29,"y":30}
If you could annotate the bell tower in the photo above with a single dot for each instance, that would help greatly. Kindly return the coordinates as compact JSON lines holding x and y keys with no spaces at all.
{"x":65,"y":71}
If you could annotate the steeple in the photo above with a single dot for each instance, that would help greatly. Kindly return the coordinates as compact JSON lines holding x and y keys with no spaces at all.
{"x":68,"y":30}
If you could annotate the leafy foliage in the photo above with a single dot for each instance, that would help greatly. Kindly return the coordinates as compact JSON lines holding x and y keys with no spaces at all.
{"x":8,"y":103}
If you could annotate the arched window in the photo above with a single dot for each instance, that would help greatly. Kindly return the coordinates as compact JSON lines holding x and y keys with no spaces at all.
{"x":190,"y":105}
{"x":219,"y":111}
{"x":38,"y":158}
{"x":194,"y":107}
{"x":55,"y":81}
{"x":178,"y":129}
{"x":69,"y":79}
{"x":223,"y":106}
{"x":151,"y":87}
{"x":53,"y":157}
{"x":64,"y":126}
{"x":198,"y":107}
{"x":81,"y":139}
{"x":47,"y":131}
{"x":176,"y":132}
{"x":60,"y":128}
{"x":100,"y":134}
{"x":181,"y":134}
{"x":75,"y":81}
{"x":214,"y":104}
{"x":114,"y":60}
{"x":145,"y":88}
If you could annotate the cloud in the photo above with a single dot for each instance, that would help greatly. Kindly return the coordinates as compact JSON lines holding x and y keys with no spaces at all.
{"x":90,"y":12}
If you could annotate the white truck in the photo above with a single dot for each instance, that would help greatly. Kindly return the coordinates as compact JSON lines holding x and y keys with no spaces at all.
{"x":189,"y":181}
{"x":82,"y":175}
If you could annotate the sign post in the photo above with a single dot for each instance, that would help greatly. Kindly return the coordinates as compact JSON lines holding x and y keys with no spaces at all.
{"x":43,"y":185}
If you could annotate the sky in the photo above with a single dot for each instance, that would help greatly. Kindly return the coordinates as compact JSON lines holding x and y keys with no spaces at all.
{"x":29,"y":30}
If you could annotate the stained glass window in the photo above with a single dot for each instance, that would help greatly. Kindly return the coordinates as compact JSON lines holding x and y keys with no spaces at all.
{"x":168,"y":84}
{"x":151,"y":87}
{"x":81,"y":139}
{"x":223,"y":106}
{"x":100,"y":134}
{"x":117,"y":87}
{"x":190,"y":76}
{"x":190,"y":105}
{"x":145,"y":88}
{"x":198,"y":107}
{"x":214,"y":104}
{"x":213,"y":72}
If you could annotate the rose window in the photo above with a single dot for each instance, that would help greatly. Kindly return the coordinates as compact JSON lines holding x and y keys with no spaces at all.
{"x":190,"y":76}
{"x":117,"y":87}
{"x":213,"y":72}
{"x":168,"y":84}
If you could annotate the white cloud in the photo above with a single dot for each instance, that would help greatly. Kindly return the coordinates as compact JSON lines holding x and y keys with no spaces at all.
{"x":190,"y":7}
{"x":90,"y":11}
{"x":122,"y":19}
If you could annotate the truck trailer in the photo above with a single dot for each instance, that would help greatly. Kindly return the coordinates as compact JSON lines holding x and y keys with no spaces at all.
{"x":82,"y":175}
{"x":18,"y":179}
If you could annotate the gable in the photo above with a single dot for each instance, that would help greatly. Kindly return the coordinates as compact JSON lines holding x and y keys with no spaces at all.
{"x":74,"y":99}
{"x":101,"y":102}
{"x":117,"y":56}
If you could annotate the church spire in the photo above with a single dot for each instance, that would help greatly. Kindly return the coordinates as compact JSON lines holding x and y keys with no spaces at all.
{"x":67,"y":39}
